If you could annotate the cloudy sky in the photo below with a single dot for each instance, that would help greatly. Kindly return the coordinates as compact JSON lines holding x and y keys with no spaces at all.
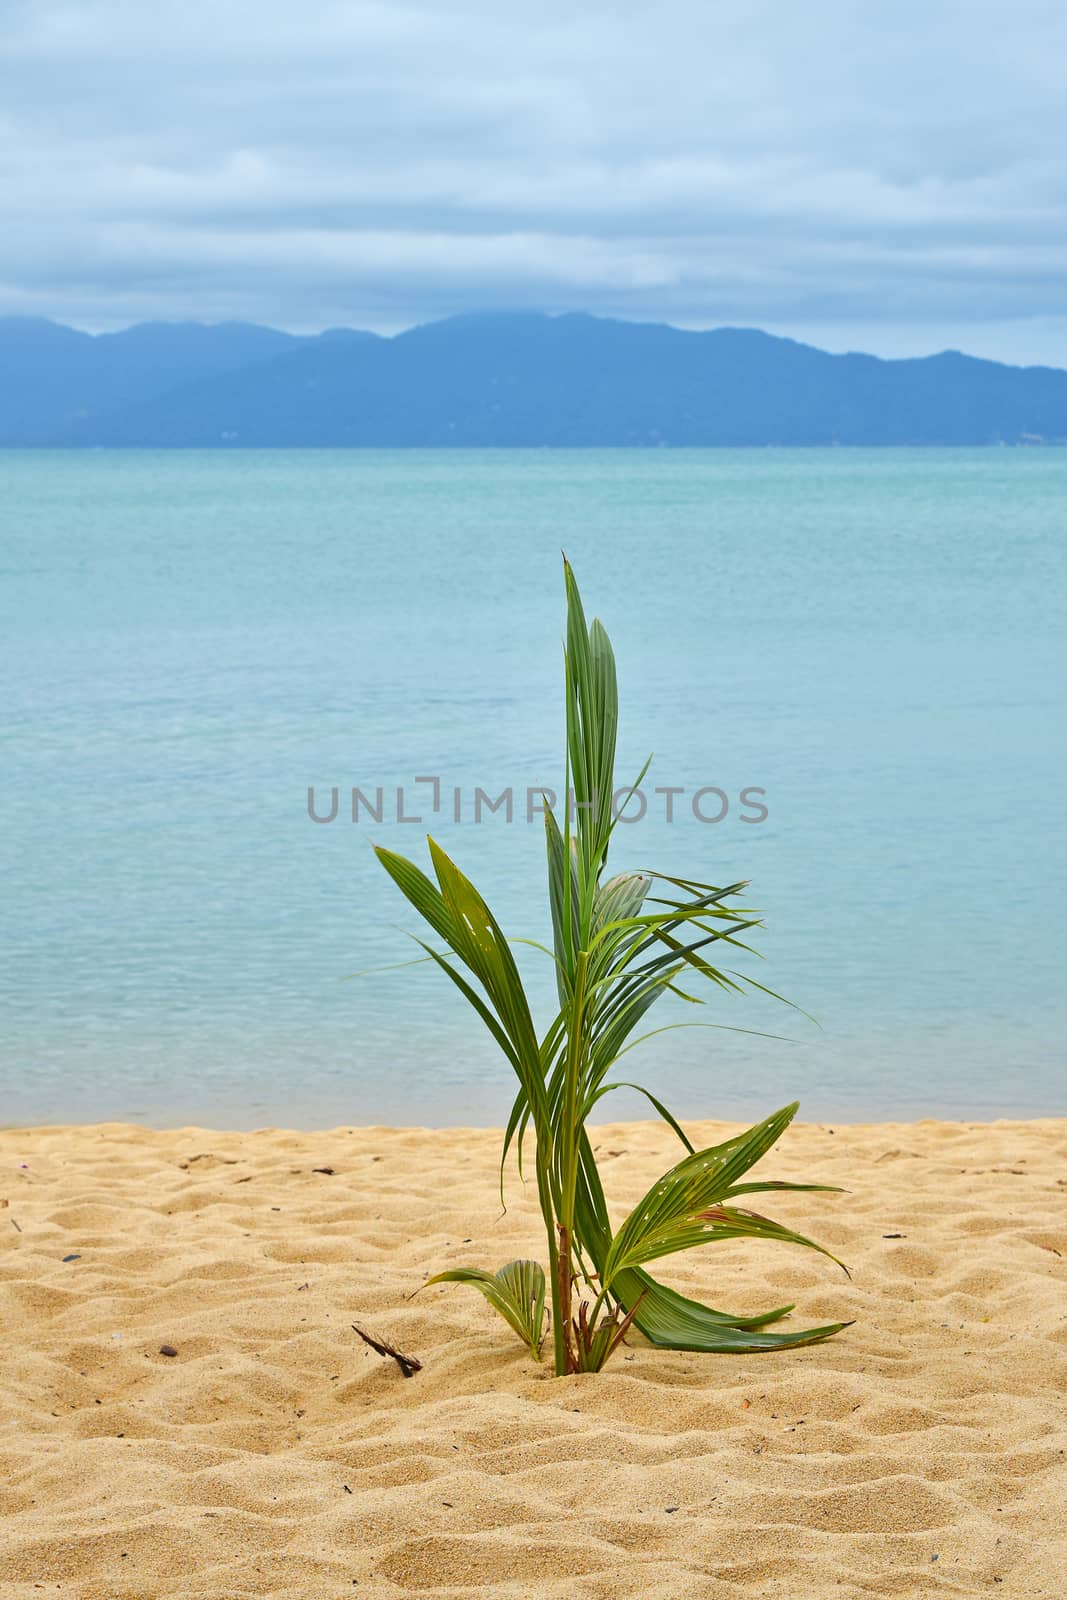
{"x":888,"y":177}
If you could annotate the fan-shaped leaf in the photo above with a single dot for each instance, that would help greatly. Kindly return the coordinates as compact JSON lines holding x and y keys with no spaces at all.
{"x":517,"y":1291}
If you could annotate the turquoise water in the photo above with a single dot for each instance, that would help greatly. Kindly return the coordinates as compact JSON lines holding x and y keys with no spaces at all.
{"x":188,"y":641}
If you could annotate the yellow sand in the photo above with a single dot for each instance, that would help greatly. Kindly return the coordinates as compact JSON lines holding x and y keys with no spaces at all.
{"x":920,"y":1452}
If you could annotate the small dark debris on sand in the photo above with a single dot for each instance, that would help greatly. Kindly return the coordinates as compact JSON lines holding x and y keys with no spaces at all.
{"x":407,"y":1364}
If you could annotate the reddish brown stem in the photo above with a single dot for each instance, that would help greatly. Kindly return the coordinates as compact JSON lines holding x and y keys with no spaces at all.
{"x":563,"y":1267}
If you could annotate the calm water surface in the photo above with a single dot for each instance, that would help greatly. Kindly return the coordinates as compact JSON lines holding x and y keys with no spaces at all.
{"x":187,"y":641}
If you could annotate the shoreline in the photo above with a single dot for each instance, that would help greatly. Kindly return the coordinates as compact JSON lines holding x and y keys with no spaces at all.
{"x":711,"y":1126}
{"x":921,"y":1451}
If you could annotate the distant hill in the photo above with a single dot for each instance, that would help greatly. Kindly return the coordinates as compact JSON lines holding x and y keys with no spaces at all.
{"x":54,"y":379}
{"x":507,"y":379}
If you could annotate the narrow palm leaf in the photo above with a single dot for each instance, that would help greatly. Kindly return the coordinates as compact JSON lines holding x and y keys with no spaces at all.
{"x":684,"y":1208}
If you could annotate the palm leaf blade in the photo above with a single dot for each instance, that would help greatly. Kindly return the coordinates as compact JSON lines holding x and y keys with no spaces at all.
{"x":673,"y":1322}
{"x":516,"y":1291}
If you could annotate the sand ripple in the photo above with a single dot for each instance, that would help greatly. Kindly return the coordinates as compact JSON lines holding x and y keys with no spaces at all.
{"x":924,"y":1451}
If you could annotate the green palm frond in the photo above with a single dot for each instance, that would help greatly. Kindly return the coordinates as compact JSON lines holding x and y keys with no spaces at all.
{"x":619,"y":944}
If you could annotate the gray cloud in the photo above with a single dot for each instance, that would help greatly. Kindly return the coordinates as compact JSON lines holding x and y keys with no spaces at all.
{"x":880,"y":177}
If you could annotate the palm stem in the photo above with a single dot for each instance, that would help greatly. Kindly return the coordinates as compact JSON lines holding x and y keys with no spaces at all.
{"x":570,"y":1130}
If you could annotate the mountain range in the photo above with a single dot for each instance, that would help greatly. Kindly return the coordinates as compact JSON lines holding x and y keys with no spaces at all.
{"x":500,"y":379}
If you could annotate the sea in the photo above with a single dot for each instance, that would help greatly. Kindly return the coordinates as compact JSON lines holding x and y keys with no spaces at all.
{"x":847,"y":665}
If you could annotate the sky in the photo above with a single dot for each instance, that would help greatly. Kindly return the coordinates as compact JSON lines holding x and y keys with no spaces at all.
{"x":886,"y":178}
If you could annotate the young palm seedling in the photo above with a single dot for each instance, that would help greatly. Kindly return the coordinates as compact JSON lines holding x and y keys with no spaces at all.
{"x":619,"y":944}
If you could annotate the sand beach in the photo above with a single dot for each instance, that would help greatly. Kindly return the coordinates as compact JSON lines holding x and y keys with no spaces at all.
{"x":185,"y":1410}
